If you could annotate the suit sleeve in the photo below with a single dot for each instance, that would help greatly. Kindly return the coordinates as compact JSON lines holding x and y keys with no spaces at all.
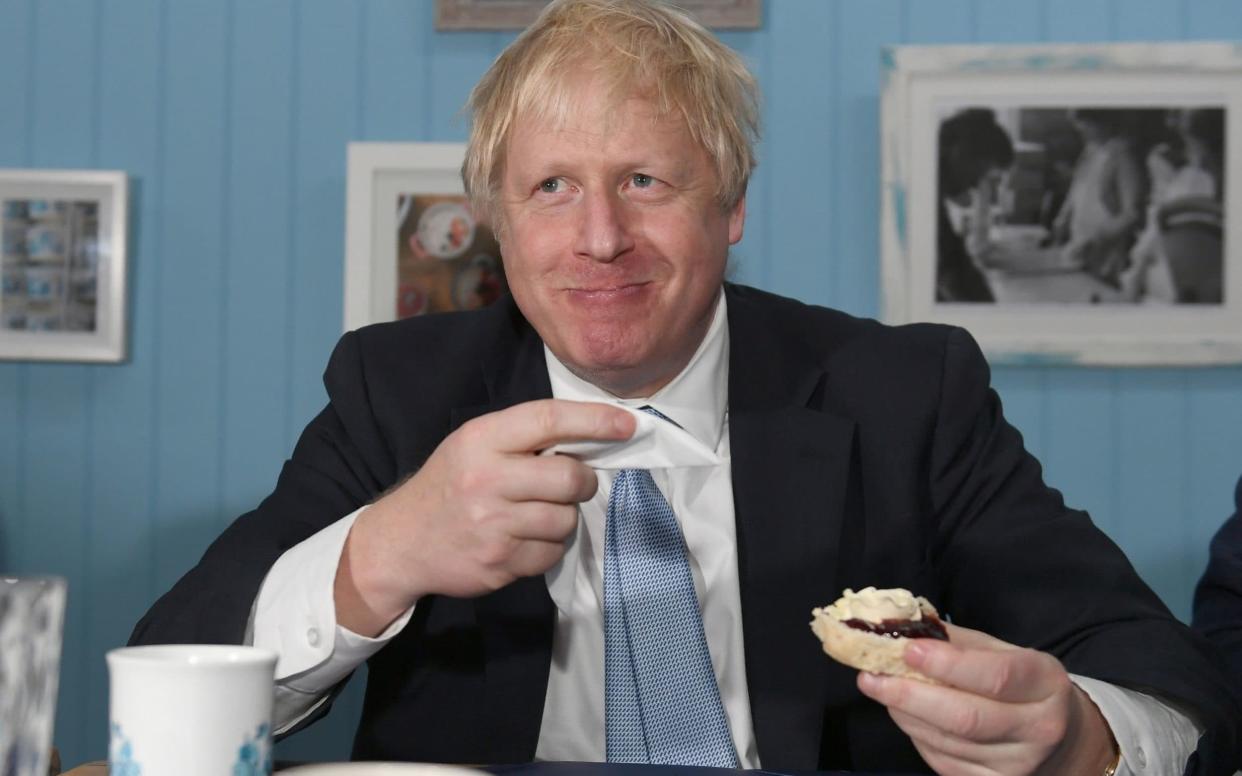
{"x":340,"y":463}
{"x":1016,"y":562}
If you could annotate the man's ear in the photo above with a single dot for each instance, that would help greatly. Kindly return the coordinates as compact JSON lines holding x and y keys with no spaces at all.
{"x":737,"y":220}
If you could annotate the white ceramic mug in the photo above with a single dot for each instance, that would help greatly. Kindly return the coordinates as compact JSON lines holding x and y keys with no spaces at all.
{"x":191,"y":710}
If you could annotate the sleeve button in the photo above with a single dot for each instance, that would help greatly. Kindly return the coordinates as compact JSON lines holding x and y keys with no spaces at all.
{"x":312,"y":637}
{"x":1140,"y":757}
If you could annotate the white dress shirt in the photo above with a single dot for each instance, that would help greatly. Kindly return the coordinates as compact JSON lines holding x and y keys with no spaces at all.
{"x":294,"y":613}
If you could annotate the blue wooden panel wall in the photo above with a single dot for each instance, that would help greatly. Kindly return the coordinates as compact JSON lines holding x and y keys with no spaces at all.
{"x":232,"y":119}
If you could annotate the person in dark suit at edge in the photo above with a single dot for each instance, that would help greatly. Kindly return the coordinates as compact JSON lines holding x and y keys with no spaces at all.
{"x":1218,"y":596}
{"x":418,"y":527}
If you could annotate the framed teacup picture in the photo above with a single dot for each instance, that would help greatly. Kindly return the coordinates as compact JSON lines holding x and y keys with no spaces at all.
{"x":1068,"y":204}
{"x":413,"y":246}
{"x":62,"y":265}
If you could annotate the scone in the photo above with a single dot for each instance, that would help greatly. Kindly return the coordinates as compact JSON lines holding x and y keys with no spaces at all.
{"x":868,"y":630}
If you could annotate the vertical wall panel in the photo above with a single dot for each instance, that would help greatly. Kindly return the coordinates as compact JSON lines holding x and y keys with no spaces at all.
{"x":326,"y":91}
{"x":1213,"y":19}
{"x":10,"y":457}
{"x":1151,"y":457}
{"x":15,"y":78}
{"x":61,"y":101}
{"x":1008,"y":21}
{"x":396,"y":60}
{"x":799,"y":110}
{"x":56,"y":415}
{"x":1079,"y":445}
{"x":1149,"y":20}
{"x":751,"y":260}
{"x":257,"y":258}
{"x":867,"y":26}
{"x":948,"y":21}
{"x":457,"y":60}
{"x":120,"y":533}
{"x":188,"y":320}
{"x":1079,"y":20}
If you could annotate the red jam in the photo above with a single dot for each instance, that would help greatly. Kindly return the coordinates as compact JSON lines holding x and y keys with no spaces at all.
{"x":929,"y":627}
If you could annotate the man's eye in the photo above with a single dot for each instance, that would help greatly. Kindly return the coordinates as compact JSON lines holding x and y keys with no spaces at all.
{"x":643,"y":181}
{"x":550,"y":186}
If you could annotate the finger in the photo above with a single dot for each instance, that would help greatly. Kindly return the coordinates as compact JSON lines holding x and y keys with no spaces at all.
{"x":556,"y":479}
{"x":535,"y":425}
{"x":1011,"y":675}
{"x":540,"y":521}
{"x":931,"y":739}
{"x":948,"y":753}
{"x":951,"y":710}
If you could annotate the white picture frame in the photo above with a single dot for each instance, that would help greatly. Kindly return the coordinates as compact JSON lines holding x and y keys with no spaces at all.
{"x":63,"y":265}
{"x":398,"y":194}
{"x":1041,"y":313}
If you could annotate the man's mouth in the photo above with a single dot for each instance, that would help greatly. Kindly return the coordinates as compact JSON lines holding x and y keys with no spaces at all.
{"x":603,"y":292}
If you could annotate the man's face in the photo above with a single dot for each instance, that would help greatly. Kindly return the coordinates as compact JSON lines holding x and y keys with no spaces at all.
{"x":613,"y":241}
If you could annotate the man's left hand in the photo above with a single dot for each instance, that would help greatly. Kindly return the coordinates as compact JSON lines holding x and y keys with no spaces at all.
{"x":1001,"y":709}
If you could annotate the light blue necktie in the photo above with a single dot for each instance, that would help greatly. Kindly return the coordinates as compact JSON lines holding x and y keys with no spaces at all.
{"x":662,"y":704}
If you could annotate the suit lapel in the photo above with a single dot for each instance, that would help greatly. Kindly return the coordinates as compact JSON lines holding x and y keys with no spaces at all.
{"x":516,"y":621}
{"x":791,"y":485}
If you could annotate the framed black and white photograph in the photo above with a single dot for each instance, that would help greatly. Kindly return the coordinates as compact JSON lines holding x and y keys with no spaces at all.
{"x":1067,"y":204}
{"x":62,"y":265}
{"x":518,"y":14}
{"x":413,"y":246}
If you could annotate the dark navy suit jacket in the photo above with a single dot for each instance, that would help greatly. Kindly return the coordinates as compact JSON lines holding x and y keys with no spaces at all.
{"x":862,"y":455}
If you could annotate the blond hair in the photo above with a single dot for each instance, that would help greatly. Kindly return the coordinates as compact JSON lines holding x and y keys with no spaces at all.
{"x":640,"y":47}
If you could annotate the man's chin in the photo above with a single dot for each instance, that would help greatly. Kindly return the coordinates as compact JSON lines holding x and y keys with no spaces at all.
{"x":625,"y":375}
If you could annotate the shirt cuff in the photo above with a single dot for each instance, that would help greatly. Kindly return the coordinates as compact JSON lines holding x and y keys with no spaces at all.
{"x":1154,"y":737}
{"x":295,"y":617}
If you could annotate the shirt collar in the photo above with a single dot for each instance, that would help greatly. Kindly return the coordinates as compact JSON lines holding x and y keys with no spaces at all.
{"x":696,"y":398}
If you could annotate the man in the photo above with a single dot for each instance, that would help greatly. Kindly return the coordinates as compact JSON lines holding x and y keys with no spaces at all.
{"x":504,"y":596}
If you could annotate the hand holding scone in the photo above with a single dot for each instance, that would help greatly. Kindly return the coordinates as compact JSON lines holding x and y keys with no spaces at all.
{"x":982,"y":705}
{"x":999,"y":709}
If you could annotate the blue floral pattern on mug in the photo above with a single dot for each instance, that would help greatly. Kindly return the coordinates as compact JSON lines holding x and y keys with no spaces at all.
{"x":121,"y":755}
{"x":254,"y":757}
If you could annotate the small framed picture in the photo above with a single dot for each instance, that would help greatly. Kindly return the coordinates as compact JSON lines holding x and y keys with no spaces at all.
{"x":413,"y":246}
{"x":517,"y":14}
{"x":1068,"y":204}
{"x":62,"y":265}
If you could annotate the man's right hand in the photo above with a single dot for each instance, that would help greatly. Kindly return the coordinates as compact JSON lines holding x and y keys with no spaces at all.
{"x":484,"y":510}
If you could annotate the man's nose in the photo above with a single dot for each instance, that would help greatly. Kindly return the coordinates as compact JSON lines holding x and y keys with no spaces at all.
{"x":603,"y":232}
